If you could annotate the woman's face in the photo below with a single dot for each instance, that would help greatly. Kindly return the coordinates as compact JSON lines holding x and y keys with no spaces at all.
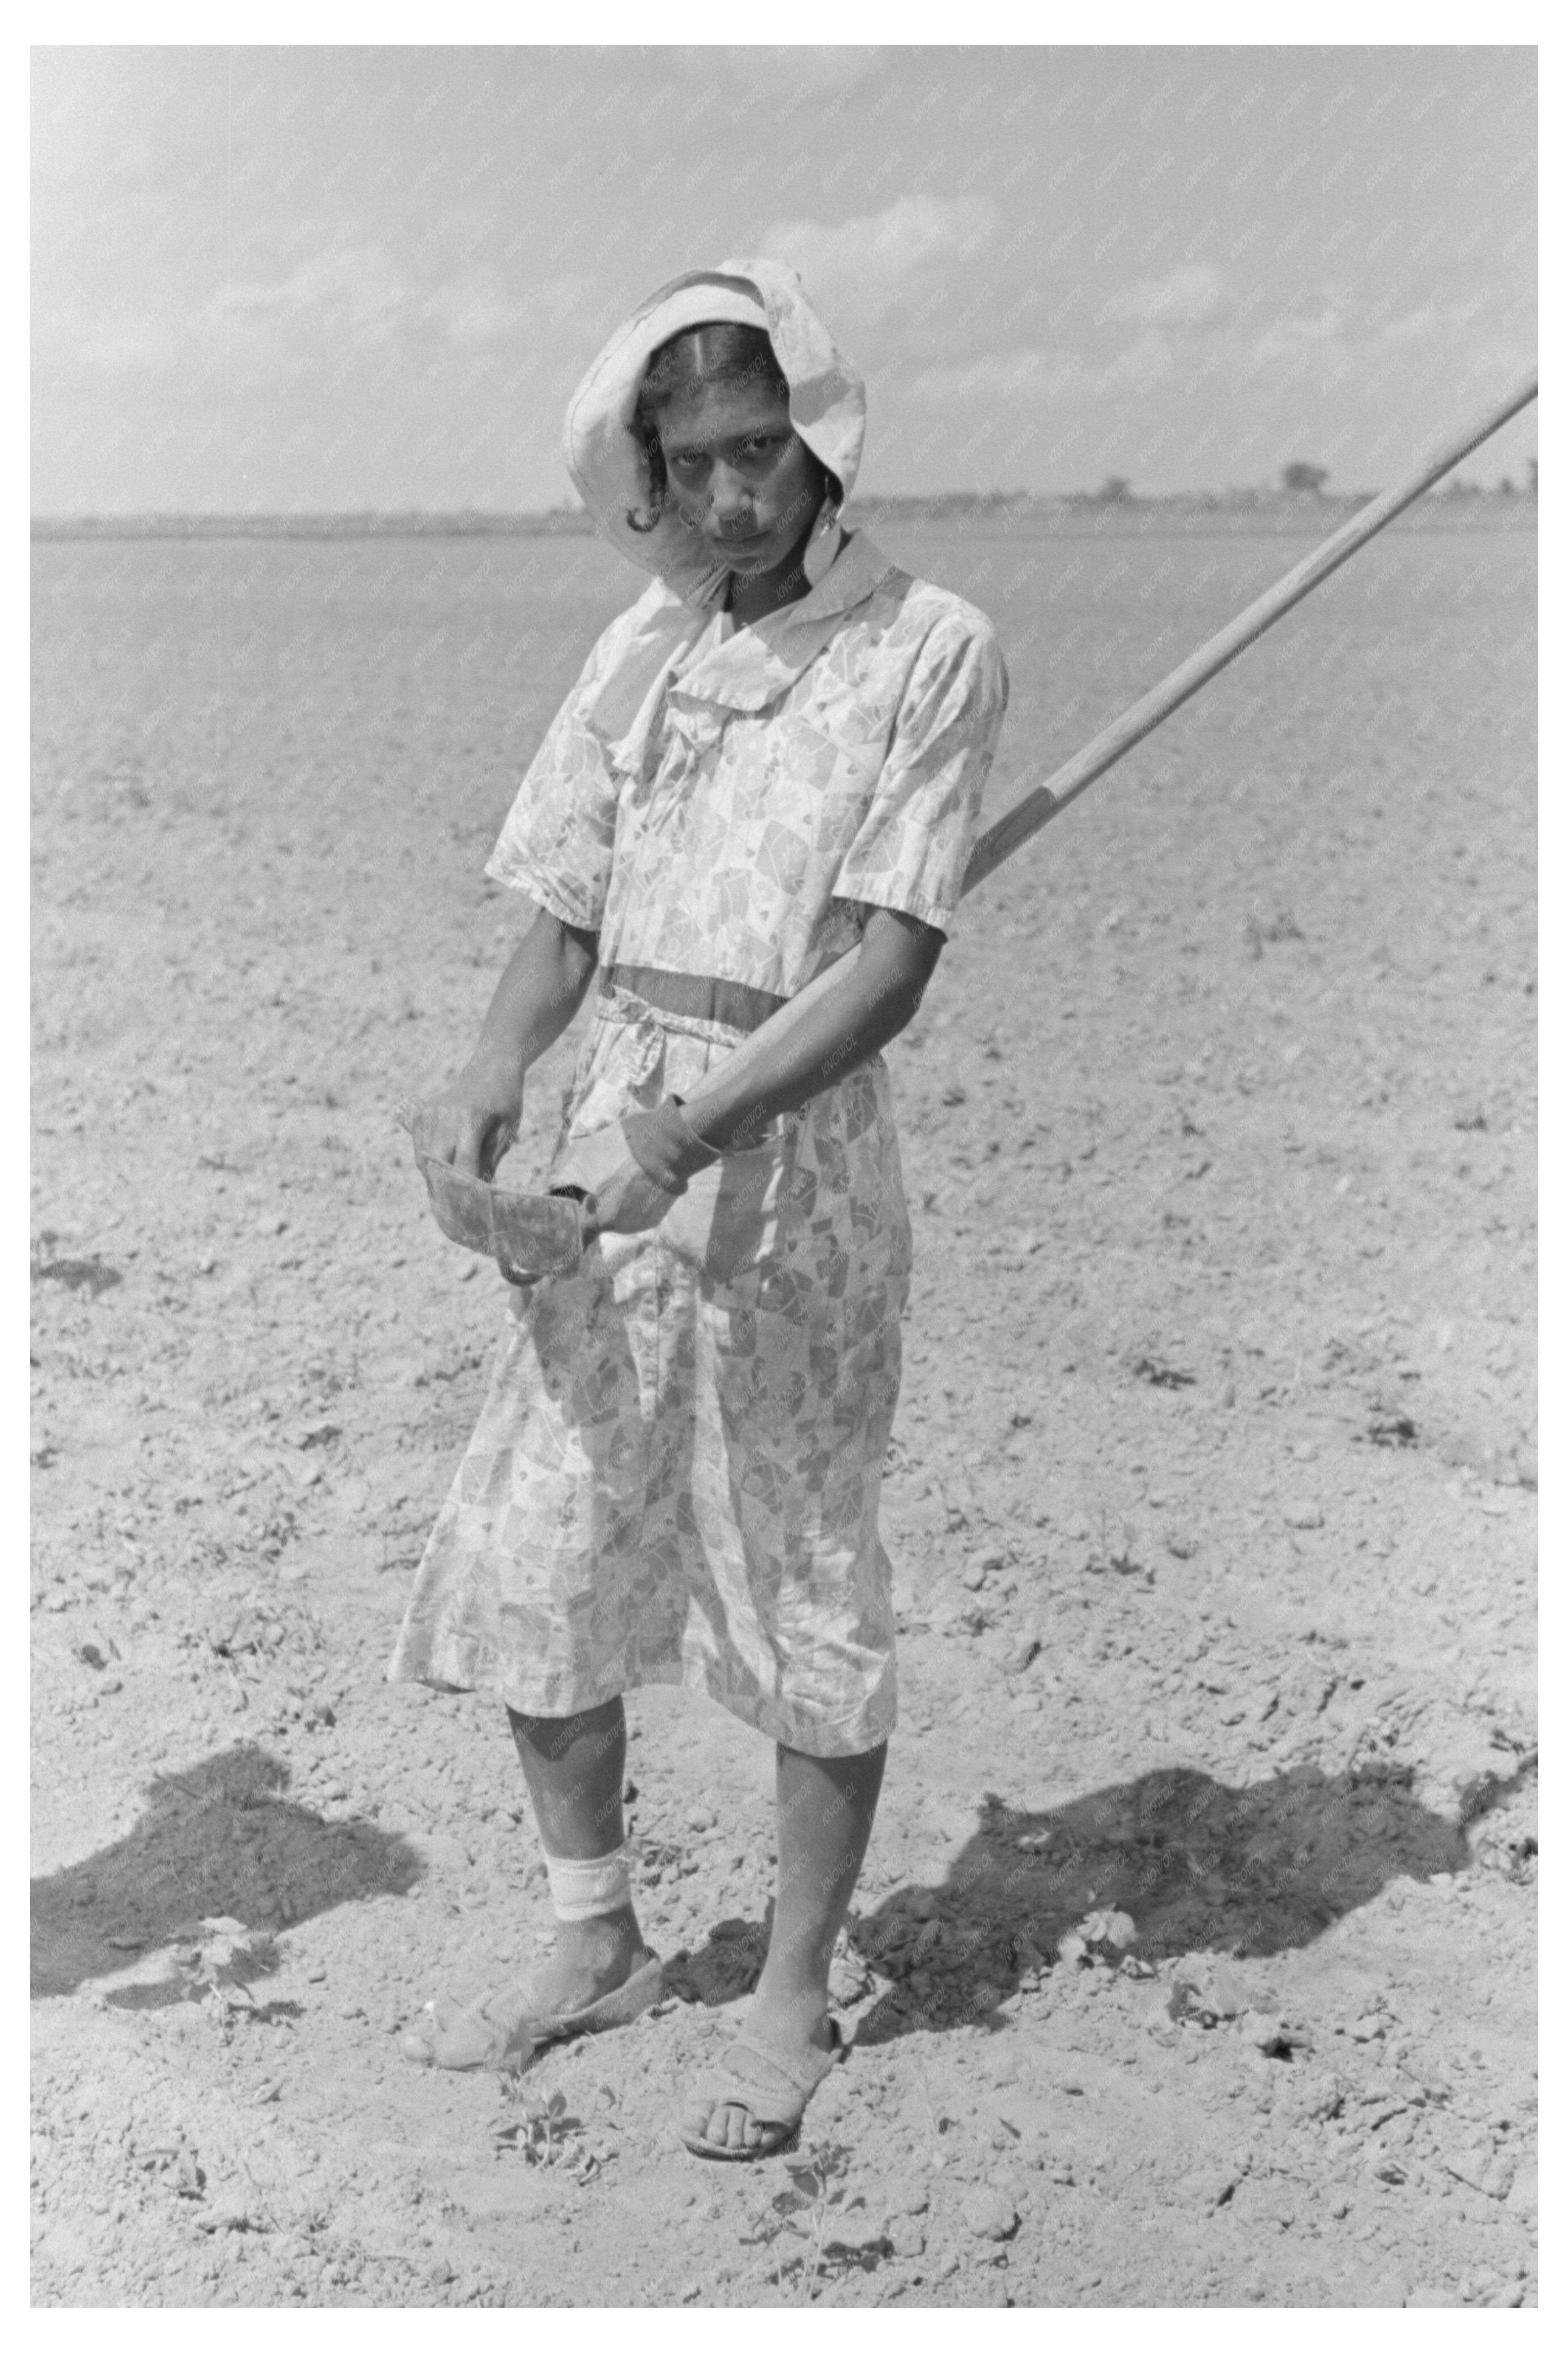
{"x":739,"y":473}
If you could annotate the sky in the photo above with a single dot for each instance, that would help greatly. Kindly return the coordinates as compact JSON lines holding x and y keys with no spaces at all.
{"x":298,"y":280}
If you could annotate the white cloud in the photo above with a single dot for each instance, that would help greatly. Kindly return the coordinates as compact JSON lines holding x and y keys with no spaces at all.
{"x":351,"y":297}
{"x":807,"y":70}
{"x":1036,"y":375}
{"x":885,"y":249}
{"x":348,"y":293}
{"x":1339,"y":330}
{"x":1434,"y":322}
{"x":1196,"y":296}
{"x":471,"y":312}
{"x":1291,"y":338}
{"x":125,"y":346}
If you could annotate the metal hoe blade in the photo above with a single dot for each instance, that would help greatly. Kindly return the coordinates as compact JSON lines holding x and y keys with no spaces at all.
{"x":528,"y":1234}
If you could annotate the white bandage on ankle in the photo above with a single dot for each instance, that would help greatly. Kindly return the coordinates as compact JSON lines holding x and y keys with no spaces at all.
{"x":581,"y":1891}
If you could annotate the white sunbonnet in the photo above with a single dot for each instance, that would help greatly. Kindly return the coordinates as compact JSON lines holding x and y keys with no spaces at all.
{"x":605,"y":454}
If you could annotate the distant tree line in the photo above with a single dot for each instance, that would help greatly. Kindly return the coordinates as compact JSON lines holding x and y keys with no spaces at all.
{"x":1300,"y":480}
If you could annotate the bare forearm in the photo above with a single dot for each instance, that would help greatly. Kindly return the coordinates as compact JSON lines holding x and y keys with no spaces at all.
{"x":877,"y":996}
{"x":473,"y":1120}
{"x":535,"y":998}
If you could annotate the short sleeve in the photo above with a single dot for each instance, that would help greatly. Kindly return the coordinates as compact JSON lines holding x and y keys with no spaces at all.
{"x":911,"y":848}
{"x":559,"y":837}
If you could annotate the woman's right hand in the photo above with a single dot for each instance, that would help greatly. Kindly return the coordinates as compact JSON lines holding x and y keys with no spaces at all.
{"x":470,"y":1123}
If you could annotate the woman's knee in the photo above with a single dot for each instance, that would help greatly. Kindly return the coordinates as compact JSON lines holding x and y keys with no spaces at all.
{"x":554,"y":1736}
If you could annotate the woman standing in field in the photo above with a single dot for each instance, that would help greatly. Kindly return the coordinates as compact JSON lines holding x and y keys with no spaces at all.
{"x":774,"y":757}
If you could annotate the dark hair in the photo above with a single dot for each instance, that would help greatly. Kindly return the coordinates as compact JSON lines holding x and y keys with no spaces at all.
{"x":717,"y":351}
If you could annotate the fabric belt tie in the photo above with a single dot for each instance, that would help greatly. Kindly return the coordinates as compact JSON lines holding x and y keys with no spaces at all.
{"x":693,"y":996}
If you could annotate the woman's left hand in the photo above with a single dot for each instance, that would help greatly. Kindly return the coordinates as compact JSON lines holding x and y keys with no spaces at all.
{"x":627,"y":1201}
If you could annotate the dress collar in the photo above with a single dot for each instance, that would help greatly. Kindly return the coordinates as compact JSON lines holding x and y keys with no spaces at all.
{"x":751,"y":667}
{"x":744,"y":670}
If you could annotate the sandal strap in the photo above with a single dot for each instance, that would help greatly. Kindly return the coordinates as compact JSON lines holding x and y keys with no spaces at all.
{"x":805,"y":2075}
{"x":533,"y":2012}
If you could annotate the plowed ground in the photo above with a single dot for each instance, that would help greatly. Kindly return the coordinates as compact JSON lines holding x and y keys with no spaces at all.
{"x":1211,"y":1497}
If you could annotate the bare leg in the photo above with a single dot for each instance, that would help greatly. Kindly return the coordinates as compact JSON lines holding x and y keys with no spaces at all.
{"x":576,"y":1769}
{"x":826,"y":1806}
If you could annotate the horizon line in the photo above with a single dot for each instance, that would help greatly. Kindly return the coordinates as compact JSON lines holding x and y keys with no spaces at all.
{"x":1113,"y":495}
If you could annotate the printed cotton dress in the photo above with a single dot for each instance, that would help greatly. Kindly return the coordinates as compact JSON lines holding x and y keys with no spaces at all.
{"x":675,"y":1474}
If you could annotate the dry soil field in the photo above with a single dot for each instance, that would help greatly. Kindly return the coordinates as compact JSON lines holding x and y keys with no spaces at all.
{"x":1194,"y":1960}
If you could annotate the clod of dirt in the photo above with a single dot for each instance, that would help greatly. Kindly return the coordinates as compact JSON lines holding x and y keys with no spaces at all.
{"x":1099,"y":1934}
{"x":182,"y":2172}
{"x":1209,"y":1992}
{"x":1267,"y":2032}
{"x":235,"y":1628}
{"x":90,"y":1274}
{"x":848,"y":1980}
{"x":1279,"y":929}
{"x":229,"y":2218}
{"x":1523,"y":2197}
{"x":857,"y":2230}
{"x":1480,"y":2284}
{"x":1027,"y":1958}
{"x":1209,"y":2187}
{"x":990,"y":2214}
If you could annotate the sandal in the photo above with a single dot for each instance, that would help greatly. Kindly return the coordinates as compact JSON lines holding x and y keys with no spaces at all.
{"x":496,"y":2032}
{"x":772,"y":2090}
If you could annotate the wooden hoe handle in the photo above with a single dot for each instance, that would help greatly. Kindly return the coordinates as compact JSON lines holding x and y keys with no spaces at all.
{"x":1047,"y":801}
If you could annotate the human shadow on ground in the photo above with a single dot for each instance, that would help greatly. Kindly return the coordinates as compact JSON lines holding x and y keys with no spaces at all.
{"x":1197,"y":1867}
{"x":218,"y":1839}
